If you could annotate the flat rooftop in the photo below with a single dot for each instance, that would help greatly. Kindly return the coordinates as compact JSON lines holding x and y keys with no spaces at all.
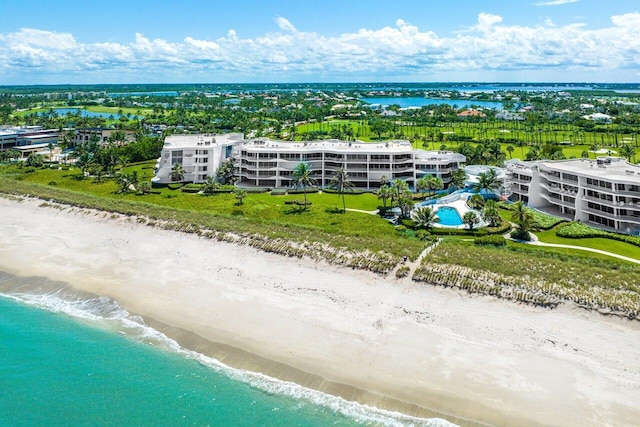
{"x":196,"y":140}
{"x":618,"y":169}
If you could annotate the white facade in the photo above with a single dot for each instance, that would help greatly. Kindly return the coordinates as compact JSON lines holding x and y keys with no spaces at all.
{"x":604,"y":192}
{"x":200,"y":155}
{"x":268,"y":163}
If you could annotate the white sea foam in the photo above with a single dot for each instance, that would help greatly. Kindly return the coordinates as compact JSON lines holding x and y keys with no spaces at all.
{"x":106,"y":313}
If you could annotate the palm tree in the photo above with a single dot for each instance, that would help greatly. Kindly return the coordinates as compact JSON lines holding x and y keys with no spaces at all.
{"x":471,"y":219}
{"x":628,"y":152}
{"x":491,"y":214}
{"x":435,"y":183}
{"x":458,"y":177}
{"x":424,"y":217}
{"x":523,"y":219}
{"x":177,"y":172}
{"x":210,"y":185}
{"x":385,"y":193}
{"x":487,"y":182}
{"x":510,"y":150}
{"x":422,"y":184}
{"x":302,"y":178}
{"x":340,"y":182}
{"x":240,"y":194}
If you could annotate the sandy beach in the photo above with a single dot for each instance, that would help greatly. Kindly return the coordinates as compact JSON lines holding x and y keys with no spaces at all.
{"x":391,"y":343}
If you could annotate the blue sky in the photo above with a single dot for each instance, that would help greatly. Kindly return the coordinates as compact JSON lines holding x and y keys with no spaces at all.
{"x":69,"y":41}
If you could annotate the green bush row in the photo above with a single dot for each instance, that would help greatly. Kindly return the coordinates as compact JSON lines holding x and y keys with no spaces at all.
{"x":577,"y":230}
{"x":278,"y":191}
{"x":302,"y":190}
{"x":493,"y":240}
{"x":333,"y":191}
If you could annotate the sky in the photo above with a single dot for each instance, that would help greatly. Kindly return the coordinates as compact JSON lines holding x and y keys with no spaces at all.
{"x":287,"y":41}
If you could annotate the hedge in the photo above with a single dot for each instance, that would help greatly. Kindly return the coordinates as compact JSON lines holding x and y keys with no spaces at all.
{"x":303,"y":190}
{"x":278,"y":191}
{"x":577,"y":230}
{"x":174,"y":186}
{"x":334,"y":191}
{"x":297,"y":202}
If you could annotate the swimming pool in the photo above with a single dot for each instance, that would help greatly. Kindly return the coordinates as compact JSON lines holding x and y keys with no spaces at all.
{"x":448,"y":216}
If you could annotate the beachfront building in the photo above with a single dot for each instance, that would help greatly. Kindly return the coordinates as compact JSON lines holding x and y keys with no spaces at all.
{"x":269,"y":163}
{"x":100,"y":136}
{"x":604,"y":192}
{"x":262,"y":162}
{"x":199,"y":155}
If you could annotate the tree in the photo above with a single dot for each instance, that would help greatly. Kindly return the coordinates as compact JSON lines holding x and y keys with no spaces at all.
{"x":476,"y":201}
{"x":379,"y":127}
{"x":458,"y":177}
{"x":471,"y":219}
{"x":226,"y":173}
{"x":302,"y":178}
{"x":340,"y":182}
{"x":385,"y":193}
{"x":210,"y":185}
{"x":523,"y":219}
{"x":424,"y":217}
{"x":50,"y":147}
{"x":435,"y":183}
{"x":487,"y":182}
{"x":491,"y":214}
{"x":177,"y":172}
{"x":405,"y":203}
{"x":627,"y":151}
{"x":510,"y":150}
{"x":240,"y":194}
{"x":398,"y":187}
{"x":384,"y":180}
{"x":34,"y":160}
{"x":422,"y":184}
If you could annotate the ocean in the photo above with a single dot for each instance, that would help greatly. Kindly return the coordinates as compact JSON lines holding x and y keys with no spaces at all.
{"x":71,"y":359}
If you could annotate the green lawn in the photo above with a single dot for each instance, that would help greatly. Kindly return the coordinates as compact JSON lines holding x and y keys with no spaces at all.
{"x":609,"y":245}
{"x":323,"y":215}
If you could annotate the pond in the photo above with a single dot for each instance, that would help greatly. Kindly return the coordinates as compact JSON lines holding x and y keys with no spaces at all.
{"x":86,"y":113}
{"x":408,"y":101}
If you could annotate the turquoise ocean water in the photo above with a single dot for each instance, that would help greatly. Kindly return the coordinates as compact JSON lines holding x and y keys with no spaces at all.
{"x":70,"y":359}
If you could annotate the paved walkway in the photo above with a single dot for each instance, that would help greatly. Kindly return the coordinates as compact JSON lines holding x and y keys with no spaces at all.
{"x":365,"y":212}
{"x":582,"y":248}
{"x":534,"y":241}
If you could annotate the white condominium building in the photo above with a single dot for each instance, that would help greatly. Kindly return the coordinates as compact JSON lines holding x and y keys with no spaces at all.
{"x":199,"y":155}
{"x":263,"y":162}
{"x":603,"y":192}
{"x":269,"y":163}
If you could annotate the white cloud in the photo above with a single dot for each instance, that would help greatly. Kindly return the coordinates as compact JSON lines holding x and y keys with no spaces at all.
{"x":555,"y":2}
{"x":489,"y":45}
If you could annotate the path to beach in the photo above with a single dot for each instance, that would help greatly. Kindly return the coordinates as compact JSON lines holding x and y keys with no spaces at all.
{"x":394,"y":344}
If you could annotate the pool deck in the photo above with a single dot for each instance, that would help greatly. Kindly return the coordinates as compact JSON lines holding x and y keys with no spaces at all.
{"x":461,"y":206}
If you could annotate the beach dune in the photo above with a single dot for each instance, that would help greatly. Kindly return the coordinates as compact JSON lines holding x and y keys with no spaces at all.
{"x":395,"y":344}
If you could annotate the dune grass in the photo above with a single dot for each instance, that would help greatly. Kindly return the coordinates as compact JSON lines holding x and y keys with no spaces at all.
{"x":539,"y":276}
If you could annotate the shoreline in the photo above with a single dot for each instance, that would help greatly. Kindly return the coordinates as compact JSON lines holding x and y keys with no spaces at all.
{"x":393,"y":344}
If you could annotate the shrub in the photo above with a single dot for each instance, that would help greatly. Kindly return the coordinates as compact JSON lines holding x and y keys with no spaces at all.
{"x":402,"y":272}
{"x":493,"y":240}
{"x":401,"y":228}
{"x":303,"y":190}
{"x":257,"y":190}
{"x":423,"y":235}
{"x":53,"y":183}
{"x":518,"y":235}
{"x":577,"y":230}
{"x":278,"y":191}
{"x":297,"y":202}
{"x":334,"y":191}
{"x":174,"y":186}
